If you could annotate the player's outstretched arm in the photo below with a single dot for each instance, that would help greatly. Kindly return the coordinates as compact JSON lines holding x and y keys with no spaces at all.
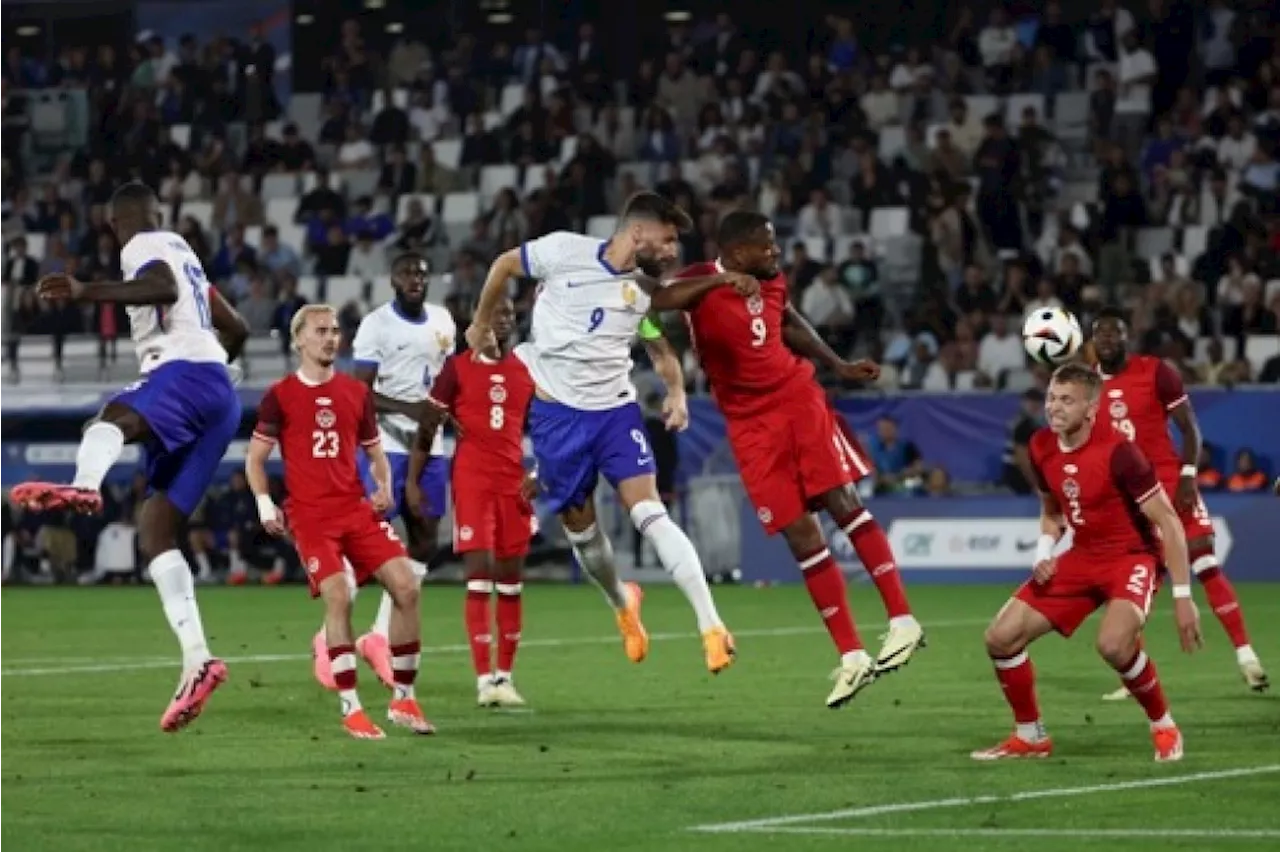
{"x":683,"y":294}
{"x":232,"y":329}
{"x":154,"y":284}
{"x":507,"y":266}
{"x":803,"y":339}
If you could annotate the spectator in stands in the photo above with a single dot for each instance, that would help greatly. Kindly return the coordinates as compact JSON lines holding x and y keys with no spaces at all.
{"x":975,"y":294}
{"x":398,"y":176}
{"x":1000,"y":351}
{"x":233,"y":252}
{"x":258,"y":308}
{"x":235,"y":204}
{"x":332,"y":255}
{"x":296,"y":154}
{"x":355,"y":153}
{"x":947,"y":158}
{"x":278,"y":258}
{"x":937,"y":483}
{"x":1246,"y":475}
{"x":861,"y":277}
{"x":1208,"y":477}
{"x":290,"y":301}
{"x":1014,"y":299}
{"x":418,"y":230}
{"x":998,"y":44}
{"x":965,"y":128}
{"x":897,"y":461}
{"x":828,"y":305}
{"x":997,"y":165}
{"x":367,"y":259}
{"x":19,"y":268}
{"x":820,"y":219}
{"x":1102,"y":107}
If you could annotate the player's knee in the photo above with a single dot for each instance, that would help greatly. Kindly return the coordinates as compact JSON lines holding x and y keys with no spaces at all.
{"x":1004,"y":638}
{"x":338,"y":595}
{"x":1117,"y":645}
{"x":842,"y":502}
{"x":402,"y":585}
{"x":1200,"y":551}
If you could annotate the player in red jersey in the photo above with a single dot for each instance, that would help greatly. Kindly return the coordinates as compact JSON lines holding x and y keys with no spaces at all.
{"x":318,"y":416}
{"x":1142,"y":395}
{"x":492,"y":517}
{"x":1101,"y":485}
{"x":794,"y":453}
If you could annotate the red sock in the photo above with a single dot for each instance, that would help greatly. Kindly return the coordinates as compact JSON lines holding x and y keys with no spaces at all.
{"x":509,"y":618}
{"x":825,"y":583}
{"x":1144,"y":685}
{"x":404,"y":666}
{"x":477,"y":619}
{"x":872,"y":546}
{"x":342,"y":660}
{"x":1225,"y":604}
{"x":1018,"y":680}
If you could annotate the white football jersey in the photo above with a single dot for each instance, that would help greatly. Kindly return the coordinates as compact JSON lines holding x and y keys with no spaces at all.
{"x":585,"y":321}
{"x":408,"y":354}
{"x":182,"y":331}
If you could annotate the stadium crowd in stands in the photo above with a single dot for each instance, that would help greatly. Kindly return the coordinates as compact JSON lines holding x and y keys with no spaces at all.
{"x":928,"y":196}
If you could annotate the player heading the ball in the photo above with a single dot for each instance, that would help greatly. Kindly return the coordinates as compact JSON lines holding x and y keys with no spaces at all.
{"x":319,"y":418}
{"x":1100,"y":484}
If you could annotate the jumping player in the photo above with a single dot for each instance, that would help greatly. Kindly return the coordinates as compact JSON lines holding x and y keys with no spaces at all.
{"x":584,"y":420}
{"x":1143,"y":395}
{"x":1101,"y":485}
{"x":184,"y":411}
{"x":319,"y":416}
{"x":399,"y":349}
{"x":492,"y":517}
{"x":794,"y":452}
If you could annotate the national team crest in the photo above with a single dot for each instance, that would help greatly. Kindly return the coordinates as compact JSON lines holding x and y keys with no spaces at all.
{"x":755,"y":305}
{"x":629,"y":294}
{"x":497,"y":394}
{"x":325,"y":418}
{"x":1119,"y":410}
{"x":444,"y":341}
{"x":1071,"y":489}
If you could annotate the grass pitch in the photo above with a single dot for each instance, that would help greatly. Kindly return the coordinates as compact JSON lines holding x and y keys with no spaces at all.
{"x":613,"y":756}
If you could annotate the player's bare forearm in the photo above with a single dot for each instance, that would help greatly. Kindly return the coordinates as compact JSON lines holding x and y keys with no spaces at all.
{"x":154,"y":285}
{"x":429,"y":424}
{"x":382,"y":403}
{"x":1051,"y":518}
{"x":1185,"y":419}
{"x":666,"y":363}
{"x":255,"y":467}
{"x":233,"y":330}
{"x":1160,"y":512}
{"x":378,"y":464}
{"x":507,"y":266}
{"x":681,"y":294}
{"x":803,"y":339}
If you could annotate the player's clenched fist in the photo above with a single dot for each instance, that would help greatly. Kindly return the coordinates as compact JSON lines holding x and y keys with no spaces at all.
{"x":59,"y":286}
{"x":675,"y":412}
{"x":859,"y":371}
{"x":481,"y":338}
{"x":1044,"y":570}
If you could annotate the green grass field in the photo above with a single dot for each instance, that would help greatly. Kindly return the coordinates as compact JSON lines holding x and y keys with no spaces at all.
{"x":614,"y":756}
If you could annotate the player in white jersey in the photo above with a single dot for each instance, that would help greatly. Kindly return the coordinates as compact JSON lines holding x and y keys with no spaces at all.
{"x":184,"y":411}
{"x":584,"y":421}
{"x":399,"y":350}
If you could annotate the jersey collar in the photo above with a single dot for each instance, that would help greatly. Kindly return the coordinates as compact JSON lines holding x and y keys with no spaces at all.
{"x":608,"y":267}
{"x":395,"y":308}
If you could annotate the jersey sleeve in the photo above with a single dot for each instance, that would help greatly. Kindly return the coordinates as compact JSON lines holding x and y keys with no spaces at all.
{"x":270,"y":417}
{"x":1132,"y":473}
{"x":367,"y":348}
{"x":146,"y":249}
{"x":368,"y":432}
{"x":1169,"y":388}
{"x":444,"y":390}
{"x":546,"y":256}
{"x":1037,"y":475}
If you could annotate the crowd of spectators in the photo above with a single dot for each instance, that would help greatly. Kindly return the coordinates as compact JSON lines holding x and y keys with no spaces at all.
{"x":927,"y":196}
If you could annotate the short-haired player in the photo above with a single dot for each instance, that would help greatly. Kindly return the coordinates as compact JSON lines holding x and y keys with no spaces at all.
{"x":1097,"y":482}
{"x":320,"y":419}
{"x":493,"y":520}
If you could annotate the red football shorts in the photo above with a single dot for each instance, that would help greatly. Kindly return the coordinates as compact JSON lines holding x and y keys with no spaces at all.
{"x":1196,"y":520}
{"x":791,"y":453}
{"x":485,"y":521}
{"x":361,"y":535}
{"x":1081,"y":585}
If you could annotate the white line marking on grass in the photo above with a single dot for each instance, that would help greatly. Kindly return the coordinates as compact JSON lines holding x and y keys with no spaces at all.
{"x":1100,"y":833}
{"x":101,"y":666}
{"x":963,"y":801}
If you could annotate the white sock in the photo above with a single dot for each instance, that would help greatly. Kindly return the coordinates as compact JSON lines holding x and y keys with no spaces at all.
{"x":382,"y":621}
{"x":1165,"y":721}
{"x":100,"y":448}
{"x":172,"y":578}
{"x":502,"y":676}
{"x":1246,"y":654}
{"x":237,"y":565}
{"x":483,"y":681}
{"x":1030,"y":732}
{"x":595,"y":555}
{"x":677,"y":555}
{"x":349,"y":700}
{"x":855,"y":657}
{"x":903,"y":621}
{"x":203,"y":564}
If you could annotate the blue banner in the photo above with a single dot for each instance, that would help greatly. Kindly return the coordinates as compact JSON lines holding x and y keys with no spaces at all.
{"x":992,"y":539}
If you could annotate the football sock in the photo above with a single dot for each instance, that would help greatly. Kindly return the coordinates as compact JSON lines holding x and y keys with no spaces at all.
{"x":342,"y":658}
{"x":172,"y":578}
{"x":872,"y":547}
{"x":1017,"y":677}
{"x":404,"y":668}
{"x":1222,"y":598}
{"x":1140,"y":677}
{"x":382,"y":621}
{"x":677,"y":555}
{"x":825,"y":582}
{"x":100,"y":448}
{"x":476,"y":615}
{"x":595,"y":555}
{"x":508,"y":618}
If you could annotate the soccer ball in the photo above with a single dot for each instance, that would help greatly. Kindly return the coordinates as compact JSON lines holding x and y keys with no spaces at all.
{"x":1051,"y":336}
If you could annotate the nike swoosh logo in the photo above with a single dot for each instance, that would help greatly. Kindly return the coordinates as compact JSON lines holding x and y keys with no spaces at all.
{"x":1026,"y":545}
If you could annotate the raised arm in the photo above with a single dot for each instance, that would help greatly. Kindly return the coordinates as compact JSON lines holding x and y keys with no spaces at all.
{"x":154,"y":284}
{"x":510,"y":264}
{"x":803,"y":339}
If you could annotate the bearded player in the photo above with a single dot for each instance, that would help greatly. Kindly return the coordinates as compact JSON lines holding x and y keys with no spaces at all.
{"x":319,"y":417}
{"x":793,"y":451}
{"x":488,"y":397}
{"x":1098,"y":483}
{"x":584,"y":421}
{"x":398,"y":351}
{"x":1142,"y":395}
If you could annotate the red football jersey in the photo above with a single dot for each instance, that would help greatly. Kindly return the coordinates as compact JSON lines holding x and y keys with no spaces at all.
{"x":318,"y":428}
{"x":739,"y":342}
{"x":1099,"y":486}
{"x":1138,"y":400}
{"x":489,"y":400}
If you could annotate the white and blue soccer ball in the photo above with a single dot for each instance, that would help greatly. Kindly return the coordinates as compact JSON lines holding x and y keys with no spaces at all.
{"x":1051,"y":336}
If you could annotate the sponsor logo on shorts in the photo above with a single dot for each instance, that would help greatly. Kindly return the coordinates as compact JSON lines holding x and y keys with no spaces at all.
{"x":465,"y":533}
{"x":325,"y":418}
{"x":765,"y":515}
{"x":313,"y":565}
